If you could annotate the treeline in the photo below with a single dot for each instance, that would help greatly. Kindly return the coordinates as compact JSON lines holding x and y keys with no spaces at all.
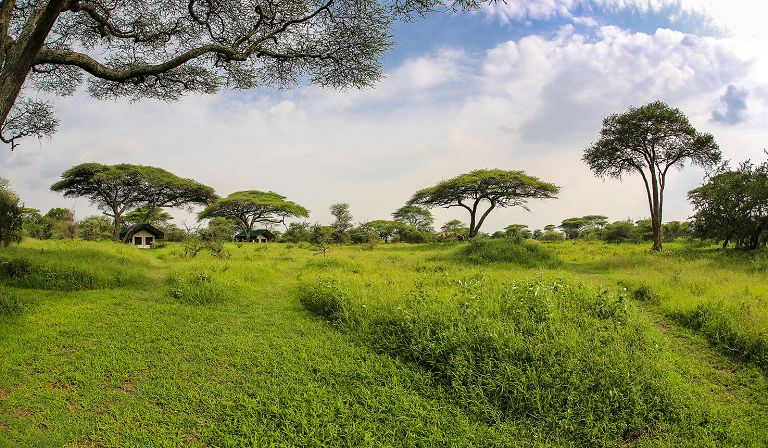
{"x":597,"y":227}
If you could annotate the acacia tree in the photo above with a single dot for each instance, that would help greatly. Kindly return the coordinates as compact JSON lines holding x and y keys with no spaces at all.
{"x":115,"y":189}
{"x":498,"y":188}
{"x":165,"y":48}
{"x":247,"y":208}
{"x":650,"y":140}
{"x":342,"y":221}
{"x":413,"y":215}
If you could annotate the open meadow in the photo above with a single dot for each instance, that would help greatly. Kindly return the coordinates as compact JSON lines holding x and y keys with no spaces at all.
{"x":488,"y":343}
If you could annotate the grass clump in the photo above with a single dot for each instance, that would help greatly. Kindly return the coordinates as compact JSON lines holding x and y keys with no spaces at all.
{"x":556,"y":354}
{"x":23,"y":273}
{"x":522,"y":253}
{"x":11,"y":304}
{"x":198,"y":288}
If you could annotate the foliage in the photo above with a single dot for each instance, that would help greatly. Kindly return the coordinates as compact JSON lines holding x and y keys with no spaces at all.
{"x":453,"y":229}
{"x":620,"y":231}
{"x":95,"y":228}
{"x":499,"y":188}
{"x":11,"y":303}
{"x":164,"y":49}
{"x":143,"y":215}
{"x":342,"y":222}
{"x":650,"y":140}
{"x":297,"y":232}
{"x":524,"y":253}
{"x":733,"y":206}
{"x":415,"y":216}
{"x":247,"y":208}
{"x":116,"y":189}
{"x":11,"y":215}
{"x":62,"y":223}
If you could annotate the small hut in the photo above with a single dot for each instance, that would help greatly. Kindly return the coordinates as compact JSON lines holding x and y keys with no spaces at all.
{"x":143,"y":236}
{"x":256,"y":236}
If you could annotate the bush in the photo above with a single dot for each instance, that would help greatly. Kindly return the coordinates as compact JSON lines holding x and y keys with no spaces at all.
{"x":523,"y":253}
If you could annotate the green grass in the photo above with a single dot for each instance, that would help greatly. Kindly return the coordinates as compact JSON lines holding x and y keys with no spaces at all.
{"x":397,"y":346}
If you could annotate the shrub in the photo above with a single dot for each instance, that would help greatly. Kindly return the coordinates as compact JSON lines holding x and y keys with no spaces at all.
{"x":523,"y":253}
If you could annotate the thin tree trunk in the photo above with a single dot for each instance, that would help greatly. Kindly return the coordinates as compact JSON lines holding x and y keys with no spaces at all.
{"x":655,"y":210}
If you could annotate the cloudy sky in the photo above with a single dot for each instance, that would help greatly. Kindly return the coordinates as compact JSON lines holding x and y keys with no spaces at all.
{"x":522,"y":84}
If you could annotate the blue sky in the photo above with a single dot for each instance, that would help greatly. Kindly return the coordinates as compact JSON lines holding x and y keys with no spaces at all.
{"x":520,"y":85}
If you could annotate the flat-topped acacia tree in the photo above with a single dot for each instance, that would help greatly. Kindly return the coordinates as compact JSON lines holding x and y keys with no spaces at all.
{"x":247,"y":208}
{"x":166,"y":48}
{"x":650,"y":140}
{"x":497,"y":188}
{"x":116,"y":189}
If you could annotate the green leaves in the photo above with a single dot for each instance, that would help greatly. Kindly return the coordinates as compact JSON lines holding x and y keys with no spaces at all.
{"x":252,"y":206}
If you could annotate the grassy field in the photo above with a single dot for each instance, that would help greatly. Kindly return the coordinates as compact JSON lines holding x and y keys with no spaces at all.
{"x":484,"y":344}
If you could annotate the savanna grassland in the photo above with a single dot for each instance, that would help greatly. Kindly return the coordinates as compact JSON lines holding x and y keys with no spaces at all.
{"x":490,"y":343}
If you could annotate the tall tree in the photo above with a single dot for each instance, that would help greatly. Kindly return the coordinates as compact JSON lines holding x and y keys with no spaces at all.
{"x":342,"y":221}
{"x":251,"y":207}
{"x":650,"y":140}
{"x":115,"y":189}
{"x":413,"y":215}
{"x":11,"y":214}
{"x":165,"y":48}
{"x":498,"y":188}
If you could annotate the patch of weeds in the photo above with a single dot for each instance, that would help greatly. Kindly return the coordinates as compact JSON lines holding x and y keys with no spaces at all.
{"x":197,"y":288}
{"x":10,"y":302}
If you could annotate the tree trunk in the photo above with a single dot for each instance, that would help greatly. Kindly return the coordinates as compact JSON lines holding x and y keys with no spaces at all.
{"x":117,"y":226}
{"x":20,"y":56}
{"x":655,"y":210}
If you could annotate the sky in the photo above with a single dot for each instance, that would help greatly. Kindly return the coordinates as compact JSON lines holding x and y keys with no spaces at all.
{"x":518,"y":85}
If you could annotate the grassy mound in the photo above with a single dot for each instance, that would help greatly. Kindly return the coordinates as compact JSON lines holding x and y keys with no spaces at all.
{"x":524,"y":253}
{"x":556,"y":354}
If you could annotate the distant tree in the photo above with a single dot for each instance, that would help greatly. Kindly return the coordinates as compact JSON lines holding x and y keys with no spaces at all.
{"x":498,"y":188}
{"x":537,"y":233}
{"x":143,"y":215}
{"x":174,"y":233}
{"x":63,"y":224}
{"x":35,"y":225}
{"x":594,"y":225}
{"x":382,"y":229}
{"x":413,"y":215}
{"x":11,"y":214}
{"x":342,"y":221}
{"x":454,"y":229}
{"x":620,"y":231}
{"x":322,"y":235}
{"x":95,"y":228}
{"x":251,"y":207}
{"x":572,"y":227}
{"x":298,"y":232}
{"x":644,"y":229}
{"x":673,"y":230}
{"x":733,"y":206}
{"x":116,"y":189}
{"x":650,"y":140}
{"x":219,"y":229}
{"x":550,"y":234}
{"x":164,"y":49}
{"x":550,"y":228}
{"x":517,"y":232}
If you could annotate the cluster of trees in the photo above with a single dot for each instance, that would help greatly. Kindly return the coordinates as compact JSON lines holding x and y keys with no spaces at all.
{"x":732,"y":206}
{"x":597,"y":227}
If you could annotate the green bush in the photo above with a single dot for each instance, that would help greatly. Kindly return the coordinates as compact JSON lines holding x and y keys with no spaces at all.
{"x":523,"y":253}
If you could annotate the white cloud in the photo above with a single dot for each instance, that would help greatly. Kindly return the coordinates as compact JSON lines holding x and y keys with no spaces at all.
{"x":531,"y":104}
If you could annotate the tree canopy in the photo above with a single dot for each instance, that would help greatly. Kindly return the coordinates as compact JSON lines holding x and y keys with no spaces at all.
{"x":252,"y":207}
{"x":115,"y":189}
{"x":650,"y":140}
{"x":733,"y":206}
{"x":11,"y":214}
{"x":498,"y":188}
{"x":165,"y":48}
{"x":413,"y":215}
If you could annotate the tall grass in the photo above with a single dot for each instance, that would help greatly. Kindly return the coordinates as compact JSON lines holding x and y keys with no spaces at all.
{"x":551,"y":352}
{"x":528,"y":254}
